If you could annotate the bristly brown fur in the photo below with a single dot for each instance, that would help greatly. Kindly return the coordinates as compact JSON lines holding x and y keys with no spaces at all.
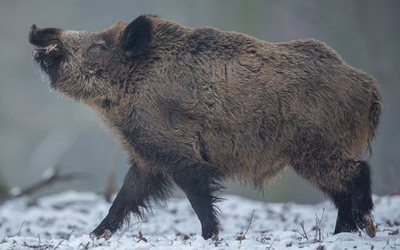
{"x":207,"y":105}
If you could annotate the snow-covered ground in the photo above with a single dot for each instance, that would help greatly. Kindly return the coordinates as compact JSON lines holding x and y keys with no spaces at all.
{"x":63,"y":221}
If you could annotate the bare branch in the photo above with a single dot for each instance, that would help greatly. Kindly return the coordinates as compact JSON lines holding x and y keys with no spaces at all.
{"x":318,"y":231}
{"x":49,"y":180}
{"x":242,"y":236}
{"x":304,"y":234}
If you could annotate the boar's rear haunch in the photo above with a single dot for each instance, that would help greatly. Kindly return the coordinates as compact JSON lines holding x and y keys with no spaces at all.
{"x":197,"y":106}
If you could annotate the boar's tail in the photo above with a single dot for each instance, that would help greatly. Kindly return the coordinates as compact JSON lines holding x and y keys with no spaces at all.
{"x":374,"y":116}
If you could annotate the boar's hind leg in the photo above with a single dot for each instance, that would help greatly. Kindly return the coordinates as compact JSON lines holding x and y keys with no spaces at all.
{"x":200,"y":182}
{"x":355,"y":203}
{"x":350,"y":194}
{"x":135,"y":194}
{"x":361,"y":198}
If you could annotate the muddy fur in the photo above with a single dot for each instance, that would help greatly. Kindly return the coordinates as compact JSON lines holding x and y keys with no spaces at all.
{"x":197,"y":106}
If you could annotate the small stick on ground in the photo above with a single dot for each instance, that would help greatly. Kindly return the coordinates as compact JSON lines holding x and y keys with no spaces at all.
{"x":58,"y":245}
{"x":20,"y":228}
{"x":318,"y":231}
{"x":183,"y":236}
{"x":48,"y":181}
{"x":304,"y":234}
{"x":263,"y":237}
{"x":269,"y":248}
{"x":393,"y":232}
{"x":242,"y":236}
{"x":141,"y":237}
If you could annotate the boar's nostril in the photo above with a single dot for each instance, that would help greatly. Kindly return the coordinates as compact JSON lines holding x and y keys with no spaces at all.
{"x":32,"y":34}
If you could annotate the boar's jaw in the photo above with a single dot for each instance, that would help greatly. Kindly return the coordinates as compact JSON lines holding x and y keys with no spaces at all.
{"x":48,"y":51}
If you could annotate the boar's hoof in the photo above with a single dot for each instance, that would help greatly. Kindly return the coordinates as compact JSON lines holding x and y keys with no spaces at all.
{"x":365,"y":222}
{"x":106,"y":234}
{"x":210,"y":233}
{"x":369,"y":226}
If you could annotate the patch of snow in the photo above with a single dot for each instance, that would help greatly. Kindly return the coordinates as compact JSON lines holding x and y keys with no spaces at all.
{"x":63,"y":221}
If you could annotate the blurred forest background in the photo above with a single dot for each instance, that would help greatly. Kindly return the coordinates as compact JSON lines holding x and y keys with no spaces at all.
{"x":39,"y":129}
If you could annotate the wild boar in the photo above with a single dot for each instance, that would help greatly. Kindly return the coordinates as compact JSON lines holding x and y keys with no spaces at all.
{"x":195,"y":106}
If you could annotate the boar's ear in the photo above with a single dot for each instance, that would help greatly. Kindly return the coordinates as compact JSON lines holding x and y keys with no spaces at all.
{"x":136,"y":36}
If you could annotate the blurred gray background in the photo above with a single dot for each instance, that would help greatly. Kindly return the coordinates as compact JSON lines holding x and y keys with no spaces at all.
{"x":41,"y":129}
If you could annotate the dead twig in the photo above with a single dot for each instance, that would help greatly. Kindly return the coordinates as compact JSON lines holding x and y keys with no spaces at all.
{"x":20,"y":228}
{"x":141,"y":237}
{"x":394,"y":232}
{"x":304,"y":234}
{"x":58,"y":245}
{"x":183,"y":236}
{"x":49,"y":180}
{"x":318,"y":230}
{"x":264,"y":236}
{"x":242,"y":236}
{"x":269,"y":248}
{"x":37,"y":246}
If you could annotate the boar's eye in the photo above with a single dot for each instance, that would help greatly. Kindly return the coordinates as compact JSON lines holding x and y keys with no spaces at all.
{"x":97,"y":48}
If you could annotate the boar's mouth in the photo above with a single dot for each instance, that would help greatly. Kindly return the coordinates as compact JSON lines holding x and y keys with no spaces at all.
{"x":48,"y":51}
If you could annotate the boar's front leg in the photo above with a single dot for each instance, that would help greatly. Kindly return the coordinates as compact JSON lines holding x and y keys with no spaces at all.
{"x":138,"y":189}
{"x":200,"y":182}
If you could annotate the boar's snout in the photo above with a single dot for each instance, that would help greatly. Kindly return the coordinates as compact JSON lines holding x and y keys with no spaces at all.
{"x":48,"y":51}
{"x":47,"y":42}
{"x":43,"y":37}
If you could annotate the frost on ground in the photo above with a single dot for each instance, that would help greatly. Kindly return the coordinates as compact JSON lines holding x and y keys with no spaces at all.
{"x":63,"y":221}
